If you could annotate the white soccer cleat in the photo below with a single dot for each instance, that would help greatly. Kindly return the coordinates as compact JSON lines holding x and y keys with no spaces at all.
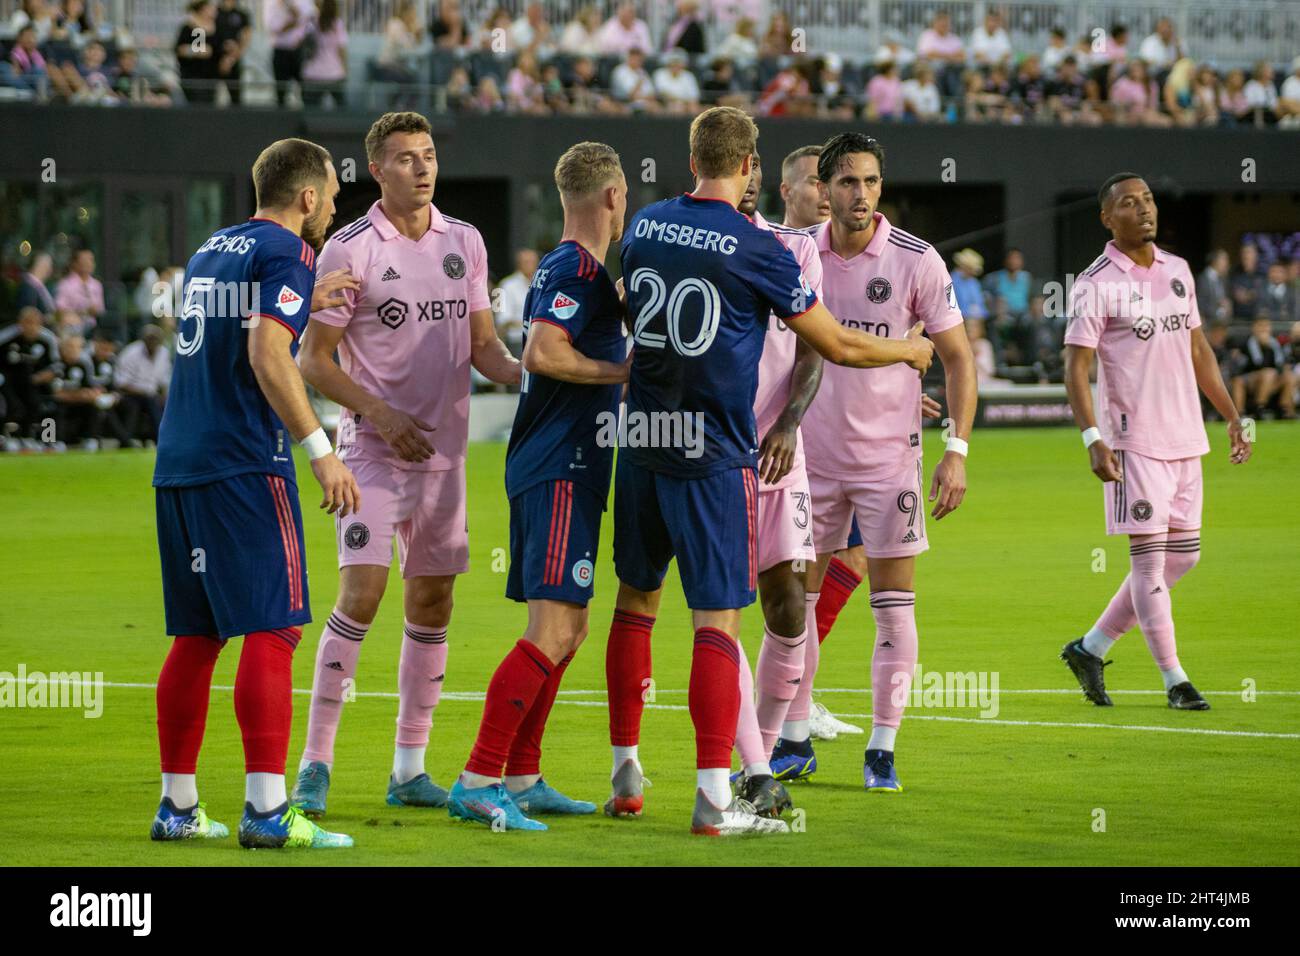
{"x":738,"y":819}
{"x":823,"y":725}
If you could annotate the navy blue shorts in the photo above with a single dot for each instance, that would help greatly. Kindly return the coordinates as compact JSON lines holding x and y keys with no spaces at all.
{"x":554,"y":530}
{"x":855,"y":536}
{"x":708,"y":524}
{"x":232,"y":556}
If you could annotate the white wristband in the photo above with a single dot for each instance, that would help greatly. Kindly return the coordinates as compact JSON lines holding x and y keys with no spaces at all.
{"x":959,"y":445}
{"x":317,"y":444}
{"x":1091,"y":435}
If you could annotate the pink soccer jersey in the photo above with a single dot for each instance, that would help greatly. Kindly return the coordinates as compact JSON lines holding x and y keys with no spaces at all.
{"x":1140,"y":322}
{"x":866,"y":423}
{"x":777,"y":364}
{"x":407,"y":337}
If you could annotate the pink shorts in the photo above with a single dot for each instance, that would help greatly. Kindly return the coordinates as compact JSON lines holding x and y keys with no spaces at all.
{"x":425,"y":510}
{"x":890,"y":513}
{"x":785,"y":524}
{"x":1154,"y":496}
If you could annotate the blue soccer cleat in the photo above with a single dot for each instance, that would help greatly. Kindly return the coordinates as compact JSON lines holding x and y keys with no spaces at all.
{"x":879,"y":774}
{"x":311,"y":789}
{"x":793,"y":760}
{"x":193,"y":824}
{"x":541,"y":797}
{"x":285,"y":826}
{"x":491,"y":805}
{"x":417,"y":792}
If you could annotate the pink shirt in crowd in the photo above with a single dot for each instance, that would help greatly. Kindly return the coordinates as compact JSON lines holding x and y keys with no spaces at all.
{"x":886,"y":94}
{"x":275,"y":17}
{"x":617,"y":39}
{"x":932,"y":44}
{"x":83,"y":296}
{"x":327,"y":65}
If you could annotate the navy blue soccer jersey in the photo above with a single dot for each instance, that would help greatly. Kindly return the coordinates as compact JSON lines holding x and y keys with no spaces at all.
{"x":562,"y":430}
{"x":217,"y":423}
{"x":701,"y":279}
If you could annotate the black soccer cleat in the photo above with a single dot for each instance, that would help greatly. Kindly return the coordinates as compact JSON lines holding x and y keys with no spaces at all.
{"x":766,"y":793}
{"x":1087,"y":670}
{"x":1186,"y":697}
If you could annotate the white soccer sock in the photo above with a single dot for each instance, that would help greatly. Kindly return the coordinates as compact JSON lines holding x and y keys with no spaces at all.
{"x":476,"y":780}
{"x":1175,"y":675}
{"x":763,"y":769}
{"x":795,"y":730}
{"x":181,"y":789}
{"x":408,"y":763}
{"x":521,"y":782}
{"x":1097,"y":642}
{"x":265,"y":791}
{"x":713,"y":782}
{"x":882,"y":738}
{"x":625,"y":753}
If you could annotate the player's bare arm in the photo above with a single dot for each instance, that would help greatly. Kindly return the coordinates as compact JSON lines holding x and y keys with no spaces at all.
{"x":777,"y":449}
{"x":855,"y":349}
{"x":488,"y":353}
{"x":280,"y":381}
{"x":1210,"y":381}
{"x":948,"y":485}
{"x":327,"y":293}
{"x":1078,"y":365}
{"x":549,"y":352}
{"x":316,"y":358}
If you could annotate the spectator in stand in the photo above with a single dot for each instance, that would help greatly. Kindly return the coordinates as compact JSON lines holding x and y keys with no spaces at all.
{"x":740,"y":46}
{"x":524,"y":93}
{"x":1134,"y":98}
{"x":326,"y":71}
{"x":921,"y":100}
{"x":581,"y":36}
{"x":234,"y":33}
{"x":988,"y":97}
{"x":494,"y":35}
{"x":778,"y":41}
{"x":103,"y":360}
{"x":458,"y":90}
{"x":624,"y":32}
{"x":32,"y":289}
{"x":1205,"y":96}
{"x":1261,"y":94}
{"x":143,"y":372}
{"x":789,"y":93}
{"x":1288,"y":102}
{"x":532,"y":32}
{"x":487,"y":96}
{"x":986,"y":362}
{"x":833,"y":99}
{"x":79,"y":291}
{"x":1212,"y":296}
{"x":67,"y":322}
{"x":1234,"y":107}
{"x":1245,"y":285}
{"x":721,"y":87}
{"x":676,"y":85}
{"x":130,"y":83}
{"x":893,"y":51}
{"x":287,"y":21}
{"x":395,"y":63}
{"x":945,"y":52}
{"x":631,"y":85}
{"x":89,"y":79}
{"x":1277,"y":296}
{"x":77,"y":412}
{"x":1114,"y":50}
{"x":969,"y":264}
{"x":511,"y":292}
{"x":27,"y":350}
{"x":27,"y":64}
{"x":885,"y":94}
{"x":1056,"y":52}
{"x":1161,"y":50}
{"x":1178,"y":93}
{"x":1067,"y":96}
{"x":35,"y":14}
{"x":1083,"y":55}
{"x":585,"y":94}
{"x":72,"y":22}
{"x":1009,"y":288}
{"x":554,"y":94}
{"x":447,"y":27}
{"x":1265,"y":373}
{"x":686,"y":32}
{"x":989,"y":44}
{"x":1228,"y":359}
{"x":1029,"y":89}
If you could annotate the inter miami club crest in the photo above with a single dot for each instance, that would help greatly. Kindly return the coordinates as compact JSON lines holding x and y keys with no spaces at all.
{"x":357,"y":536}
{"x":454,"y":266}
{"x":879,"y":290}
{"x":1144,"y":327}
{"x":392,"y":312}
{"x":1177,"y":286}
{"x":1142,"y":510}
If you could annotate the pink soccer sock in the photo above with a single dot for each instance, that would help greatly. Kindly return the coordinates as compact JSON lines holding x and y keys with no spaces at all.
{"x":749,"y":741}
{"x":1150,"y":595}
{"x":779,"y":677}
{"x":1182,"y":551}
{"x":893,"y":661}
{"x":336,"y":665}
{"x":419,"y":682}
{"x":801,"y":704}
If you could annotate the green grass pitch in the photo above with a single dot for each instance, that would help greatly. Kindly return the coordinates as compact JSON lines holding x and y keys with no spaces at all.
{"x":1009,"y":579}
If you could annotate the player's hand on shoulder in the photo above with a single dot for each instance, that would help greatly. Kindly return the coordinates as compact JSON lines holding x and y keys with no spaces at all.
{"x":1241,"y":448}
{"x":342,"y":496}
{"x":922,"y":348}
{"x":1105,"y":463}
{"x":404,"y":434}
{"x":328,"y":290}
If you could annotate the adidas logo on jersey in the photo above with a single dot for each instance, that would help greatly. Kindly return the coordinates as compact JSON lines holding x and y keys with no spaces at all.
{"x":909,"y":538}
{"x":389,"y":273}
{"x":335,"y":665}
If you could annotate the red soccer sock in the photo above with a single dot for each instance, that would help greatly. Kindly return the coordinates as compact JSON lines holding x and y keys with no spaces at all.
{"x":182,"y":699}
{"x":511,"y":693}
{"x":837,"y":587}
{"x":714,"y":697}
{"x":264,"y":698}
{"x":526,"y":751}
{"x":627,"y":675}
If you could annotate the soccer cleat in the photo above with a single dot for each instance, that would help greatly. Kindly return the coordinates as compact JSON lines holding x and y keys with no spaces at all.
{"x":419,"y":791}
{"x":736,"y":820}
{"x":1087,"y":669}
{"x":541,"y":797}
{"x":171,"y":824}
{"x":878,"y":772}
{"x":826,"y":726}
{"x":793,"y":760}
{"x":491,"y":805}
{"x":627,"y":799}
{"x":311,"y":789}
{"x":1186,"y":697}
{"x":285,"y":826}
{"x":765,"y":794}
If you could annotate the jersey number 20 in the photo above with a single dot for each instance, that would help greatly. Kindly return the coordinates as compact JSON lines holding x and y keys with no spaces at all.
{"x":658,"y":294}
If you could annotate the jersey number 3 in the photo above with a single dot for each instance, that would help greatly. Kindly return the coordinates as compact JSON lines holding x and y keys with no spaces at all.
{"x":657,"y":295}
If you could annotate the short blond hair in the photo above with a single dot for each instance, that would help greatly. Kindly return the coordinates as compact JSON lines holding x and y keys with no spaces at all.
{"x":387,"y":125}
{"x":721,"y":138}
{"x":584,"y":168}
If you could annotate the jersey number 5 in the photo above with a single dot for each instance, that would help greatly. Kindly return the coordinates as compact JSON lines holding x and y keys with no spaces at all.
{"x":657,"y":294}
